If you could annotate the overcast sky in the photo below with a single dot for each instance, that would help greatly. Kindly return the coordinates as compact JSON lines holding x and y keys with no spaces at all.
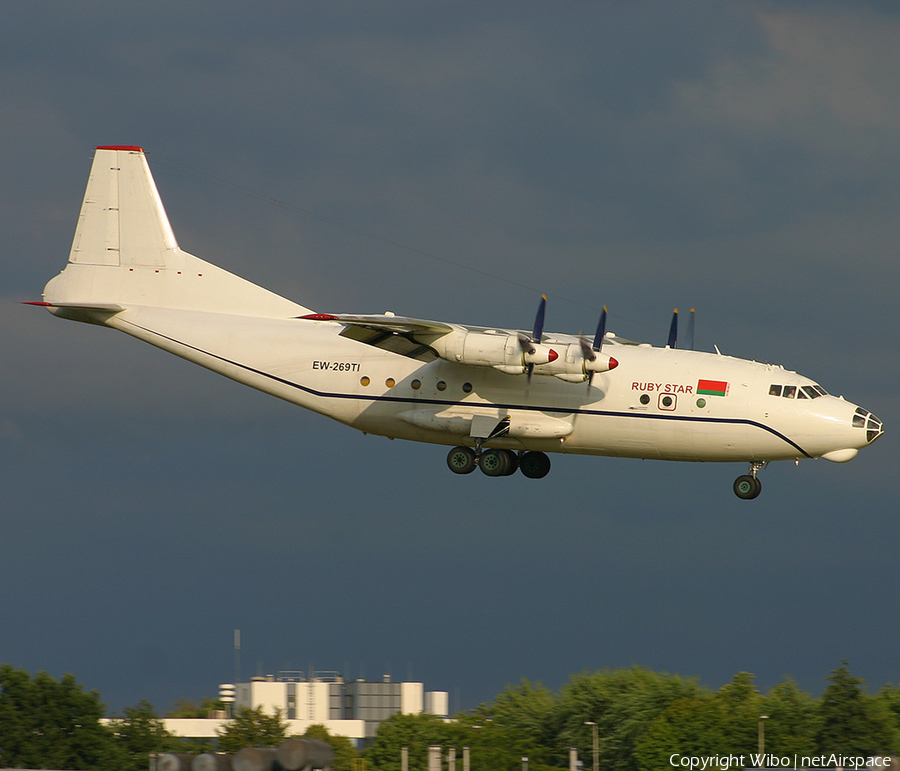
{"x":450,"y":161}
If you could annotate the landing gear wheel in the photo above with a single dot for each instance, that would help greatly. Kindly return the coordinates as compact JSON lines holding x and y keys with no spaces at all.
{"x":495,"y":463}
{"x":534,"y":465}
{"x":513,"y":463}
{"x":747,"y":487}
{"x":462,"y":460}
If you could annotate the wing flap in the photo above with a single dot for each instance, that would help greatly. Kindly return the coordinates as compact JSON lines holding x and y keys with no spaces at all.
{"x":386,"y":322}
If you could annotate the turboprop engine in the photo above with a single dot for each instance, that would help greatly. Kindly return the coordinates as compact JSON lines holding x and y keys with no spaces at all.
{"x":518,"y":355}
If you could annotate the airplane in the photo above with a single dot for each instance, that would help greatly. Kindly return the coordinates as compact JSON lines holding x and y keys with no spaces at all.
{"x":503,"y":399}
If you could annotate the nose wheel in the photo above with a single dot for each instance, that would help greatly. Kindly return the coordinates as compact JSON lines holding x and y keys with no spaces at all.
{"x":747,"y":486}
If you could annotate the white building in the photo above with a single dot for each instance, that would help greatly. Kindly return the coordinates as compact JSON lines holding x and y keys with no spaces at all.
{"x":352,"y":709}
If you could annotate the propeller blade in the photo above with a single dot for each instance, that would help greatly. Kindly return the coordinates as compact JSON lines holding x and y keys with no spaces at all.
{"x":601,"y":331}
{"x":690,"y":331}
{"x":673,"y":331}
{"x":539,"y":321}
{"x":590,"y":354}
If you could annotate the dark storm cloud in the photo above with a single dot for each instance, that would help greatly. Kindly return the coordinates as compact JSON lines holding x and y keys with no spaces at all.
{"x":459,"y":159}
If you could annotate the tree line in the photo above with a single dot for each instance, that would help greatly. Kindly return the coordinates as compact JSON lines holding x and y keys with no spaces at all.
{"x":642,"y":718}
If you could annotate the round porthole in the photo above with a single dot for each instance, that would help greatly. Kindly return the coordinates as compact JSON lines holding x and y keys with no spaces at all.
{"x":441,"y":386}
{"x":667,"y":401}
{"x":364,"y":380}
{"x":701,"y":403}
{"x":390,"y":382}
{"x":645,"y":399}
{"x":467,"y":388}
{"x":416,"y":384}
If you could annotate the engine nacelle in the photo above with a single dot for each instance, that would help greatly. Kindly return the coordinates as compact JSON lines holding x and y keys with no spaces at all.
{"x":513,"y":354}
{"x":482,"y":349}
{"x":572,"y":367}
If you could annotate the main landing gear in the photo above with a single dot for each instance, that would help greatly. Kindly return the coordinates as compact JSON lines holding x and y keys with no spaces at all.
{"x":747,"y":486}
{"x":498,"y":463}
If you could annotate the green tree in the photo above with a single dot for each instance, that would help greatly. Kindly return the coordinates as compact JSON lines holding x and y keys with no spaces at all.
{"x":790,"y":726}
{"x":501,"y":734}
{"x":723,"y":723}
{"x":252,"y":728}
{"x":50,"y":724}
{"x":344,"y":751}
{"x":139,"y":733}
{"x":688,"y":726}
{"x":889,"y":698}
{"x":623,"y":703}
{"x":416,"y":732}
{"x":739,"y":706}
{"x":851,"y":722}
{"x":193,"y":708}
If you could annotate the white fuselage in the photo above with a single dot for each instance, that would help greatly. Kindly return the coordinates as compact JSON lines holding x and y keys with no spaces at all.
{"x":650,"y":406}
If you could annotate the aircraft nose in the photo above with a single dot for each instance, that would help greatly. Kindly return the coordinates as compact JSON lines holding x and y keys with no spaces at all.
{"x":865,"y":419}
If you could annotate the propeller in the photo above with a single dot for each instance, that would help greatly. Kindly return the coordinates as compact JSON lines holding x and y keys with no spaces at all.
{"x":673,"y":331}
{"x":533,"y":351}
{"x":592,"y":361}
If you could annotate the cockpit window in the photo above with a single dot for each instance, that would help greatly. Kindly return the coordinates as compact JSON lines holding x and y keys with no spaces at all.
{"x":811,"y":391}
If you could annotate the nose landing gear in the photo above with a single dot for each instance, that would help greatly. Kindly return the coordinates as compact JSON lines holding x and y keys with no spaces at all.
{"x":747,"y":486}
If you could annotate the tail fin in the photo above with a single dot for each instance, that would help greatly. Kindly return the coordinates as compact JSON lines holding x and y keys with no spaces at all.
{"x":125,"y":253}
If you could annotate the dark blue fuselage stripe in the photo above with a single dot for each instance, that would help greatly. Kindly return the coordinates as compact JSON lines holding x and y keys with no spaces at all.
{"x":499,"y":405}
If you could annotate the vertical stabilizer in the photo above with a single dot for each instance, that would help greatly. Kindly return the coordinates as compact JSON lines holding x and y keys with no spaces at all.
{"x":122,"y":220}
{"x":125,"y":253}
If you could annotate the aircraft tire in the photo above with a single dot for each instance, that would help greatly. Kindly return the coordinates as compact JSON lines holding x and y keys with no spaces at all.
{"x":534,"y":465}
{"x":462,"y":460}
{"x":513,"y":463}
{"x":495,"y":463}
{"x":747,"y":487}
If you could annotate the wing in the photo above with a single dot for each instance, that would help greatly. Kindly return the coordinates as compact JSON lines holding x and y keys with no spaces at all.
{"x":512,"y":352}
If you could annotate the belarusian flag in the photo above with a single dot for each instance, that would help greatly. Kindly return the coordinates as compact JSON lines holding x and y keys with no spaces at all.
{"x":712,"y":387}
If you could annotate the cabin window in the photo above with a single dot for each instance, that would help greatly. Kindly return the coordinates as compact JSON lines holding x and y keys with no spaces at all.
{"x":415,"y":384}
{"x":441,"y":386}
{"x":811,"y":392}
{"x":467,"y":388}
{"x":364,"y":381}
{"x":774,"y":390}
{"x":701,"y":402}
{"x":789,"y":392}
{"x":390,"y":382}
{"x":645,"y":399}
